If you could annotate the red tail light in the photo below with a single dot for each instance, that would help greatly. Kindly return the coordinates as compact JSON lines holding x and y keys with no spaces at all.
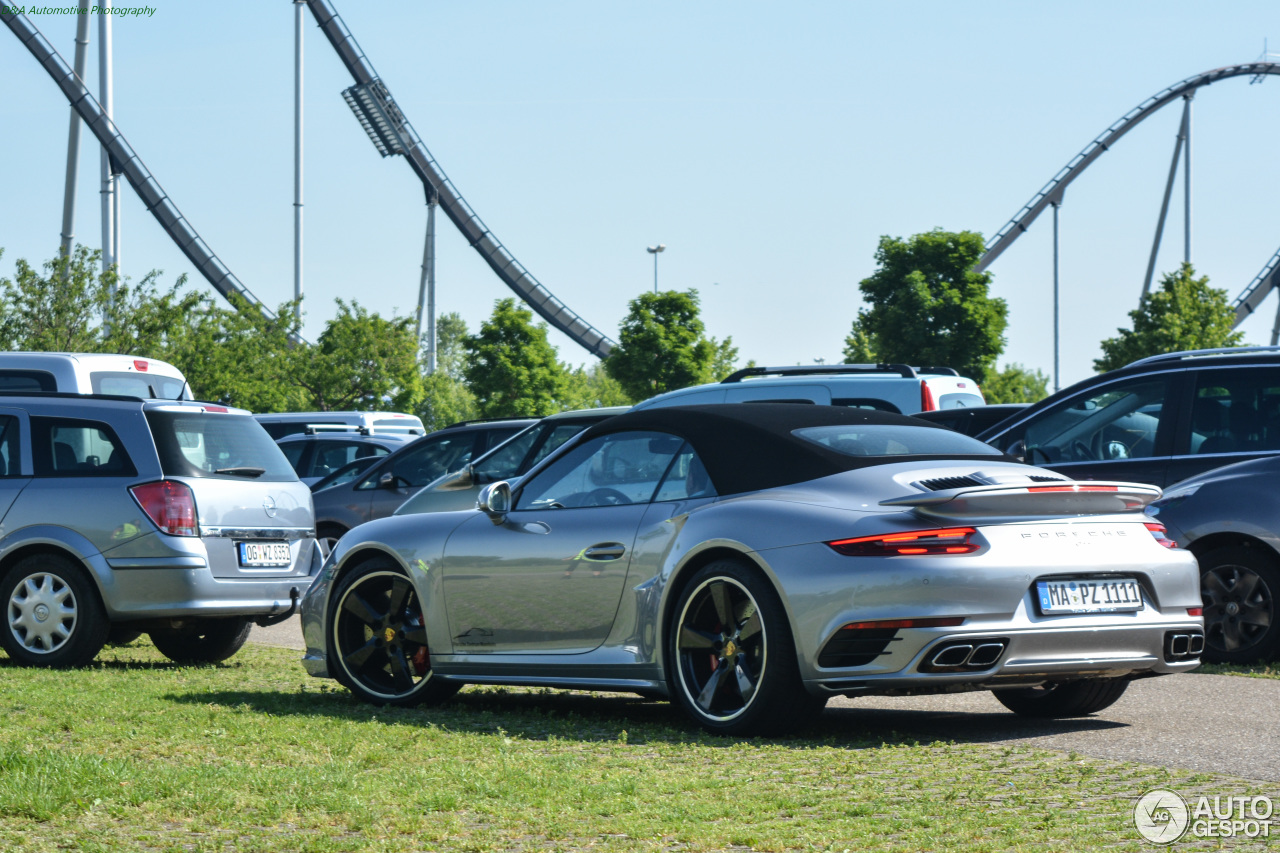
{"x":170,"y":505}
{"x":1195,"y":611}
{"x":1161,"y":535}
{"x":927,"y":403}
{"x":896,"y":624}
{"x":949,"y":540}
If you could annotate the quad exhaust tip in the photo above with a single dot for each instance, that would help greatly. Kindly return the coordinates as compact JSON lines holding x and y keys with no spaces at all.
{"x":1183,"y":645}
{"x":968,"y":655}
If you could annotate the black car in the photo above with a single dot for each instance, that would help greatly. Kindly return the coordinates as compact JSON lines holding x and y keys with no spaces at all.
{"x":1157,"y":421}
{"x":383,"y":487}
{"x":317,"y":454}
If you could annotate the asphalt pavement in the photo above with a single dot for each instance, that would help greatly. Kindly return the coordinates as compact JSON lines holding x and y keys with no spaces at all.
{"x":1211,"y":723}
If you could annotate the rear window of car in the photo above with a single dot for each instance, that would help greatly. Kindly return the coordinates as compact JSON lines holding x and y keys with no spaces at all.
{"x":882,"y":440}
{"x":27,"y":380}
{"x":67,"y":447}
{"x":959,"y":401}
{"x":232,"y":447}
{"x":147,"y":386}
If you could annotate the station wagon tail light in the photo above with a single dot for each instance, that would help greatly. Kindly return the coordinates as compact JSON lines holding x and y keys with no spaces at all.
{"x":1161,"y":535}
{"x":948,"y":540}
{"x":927,"y":403}
{"x":170,"y":505}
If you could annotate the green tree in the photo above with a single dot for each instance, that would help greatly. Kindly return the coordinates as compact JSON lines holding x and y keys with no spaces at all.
{"x":1015,"y":384}
{"x":592,"y":388}
{"x":661,"y":346}
{"x":58,"y":311}
{"x":929,"y":307}
{"x":446,"y":398}
{"x":511,"y":366}
{"x":1184,"y":313}
{"x":361,"y":361}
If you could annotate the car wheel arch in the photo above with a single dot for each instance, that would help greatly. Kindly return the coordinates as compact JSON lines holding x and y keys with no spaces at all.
{"x":53,"y":549}
{"x":1228,"y":539}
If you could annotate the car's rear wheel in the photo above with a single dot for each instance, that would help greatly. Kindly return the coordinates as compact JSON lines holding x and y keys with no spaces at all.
{"x":328,"y":536}
{"x":378,"y":639}
{"x":732,"y":661}
{"x":1063,"y":699}
{"x":53,"y":616}
{"x":201,"y":640}
{"x":1239,"y":586}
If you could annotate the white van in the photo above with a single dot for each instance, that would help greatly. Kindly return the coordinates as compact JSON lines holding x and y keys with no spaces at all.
{"x":887,"y":387}
{"x":280,"y":424}
{"x":92,"y":373}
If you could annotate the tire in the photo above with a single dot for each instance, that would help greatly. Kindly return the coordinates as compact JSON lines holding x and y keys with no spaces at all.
{"x":202,"y":640}
{"x":53,"y":615}
{"x":1239,"y":585}
{"x":328,"y":535}
{"x":377,"y":639}
{"x":1064,"y":699}
{"x":728,"y":619}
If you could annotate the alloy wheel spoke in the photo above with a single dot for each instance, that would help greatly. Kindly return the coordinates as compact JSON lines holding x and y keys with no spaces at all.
{"x":1214,"y":586}
{"x":692,"y":639}
{"x":416,"y":635}
{"x":1232,"y":639}
{"x":357,"y":658}
{"x":746,"y":684}
{"x":400,"y":670}
{"x":724,"y":607}
{"x":751,"y":627}
{"x":1246,"y":585}
{"x":400,"y":590}
{"x":707,"y":697}
{"x":1259,"y":615}
{"x":357,"y":606}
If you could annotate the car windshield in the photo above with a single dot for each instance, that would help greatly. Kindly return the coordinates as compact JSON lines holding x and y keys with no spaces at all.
{"x":894,"y":440}
{"x":199,"y":444}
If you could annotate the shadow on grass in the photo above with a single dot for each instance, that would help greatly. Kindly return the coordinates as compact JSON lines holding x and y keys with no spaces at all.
{"x":535,"y":714}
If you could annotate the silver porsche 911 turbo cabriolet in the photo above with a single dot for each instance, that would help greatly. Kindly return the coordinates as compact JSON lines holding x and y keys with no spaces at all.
{"x":750,"y":561}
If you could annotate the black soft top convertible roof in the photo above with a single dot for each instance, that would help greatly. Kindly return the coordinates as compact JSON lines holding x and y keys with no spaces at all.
{"x":750,"y":446}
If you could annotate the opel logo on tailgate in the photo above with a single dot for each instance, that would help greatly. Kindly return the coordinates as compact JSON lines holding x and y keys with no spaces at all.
{"x":269,"y":506}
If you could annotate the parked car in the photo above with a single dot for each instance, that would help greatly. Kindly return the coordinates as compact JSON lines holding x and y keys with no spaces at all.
{"x":182,"y":520}
{"x":1158,"y":420}
{"x":346,"y":473}
{"x":316,"y":455}
{"x":91,"y":373}
{"x":972,"y":420}
{"x":386,"y":485}
{"x":508,"y":461}
{"x":280,"y":424}
{"x":860,"y":552}
{"x":1230,"y":519}
{"x":887,"y":387}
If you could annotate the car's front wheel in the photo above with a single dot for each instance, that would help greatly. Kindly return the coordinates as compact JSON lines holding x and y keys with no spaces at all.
{"x":1063,"y":699}
{"x":378,"y":639}
{"x":1239,"y":587}
{"x":53,"y":616}
{"x":202,"y":640}
{"x":732,"y":661}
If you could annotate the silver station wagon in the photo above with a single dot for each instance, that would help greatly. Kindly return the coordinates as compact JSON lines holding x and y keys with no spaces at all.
{"x":120,"y":516}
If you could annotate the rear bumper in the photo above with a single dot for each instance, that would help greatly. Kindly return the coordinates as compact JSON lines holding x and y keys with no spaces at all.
{"x":172,"y":588}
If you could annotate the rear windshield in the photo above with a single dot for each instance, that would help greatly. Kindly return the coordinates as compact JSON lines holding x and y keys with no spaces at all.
{"x":894,"y":440}
{"x":231,"y":447}
{"x":147,"y":386}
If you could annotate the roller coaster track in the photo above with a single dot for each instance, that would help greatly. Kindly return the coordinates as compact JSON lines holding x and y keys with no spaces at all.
{"x":125,"y":161}
{"x":397,"y":136}
{"x":1052,"y":192}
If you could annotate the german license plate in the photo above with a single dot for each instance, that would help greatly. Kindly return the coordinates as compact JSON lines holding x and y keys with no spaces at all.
{"x":264,"y":554}
{"x":1088,"y":596}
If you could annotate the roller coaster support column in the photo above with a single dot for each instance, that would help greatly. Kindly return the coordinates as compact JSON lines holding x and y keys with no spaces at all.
{"x":110,"y":194}
{"x":1186,"y":176}
{"x":298,"y":6}
{"x":427,"y":287}
{"x":1057,"y":380}
{"x":73,"y":135}
{"x":1184,"y":129}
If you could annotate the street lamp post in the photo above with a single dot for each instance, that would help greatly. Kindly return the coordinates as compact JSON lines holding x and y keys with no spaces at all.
{"x":654,"y":250}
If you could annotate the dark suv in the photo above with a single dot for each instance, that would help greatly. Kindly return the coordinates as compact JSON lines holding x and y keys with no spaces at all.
{"x":1157,"y":421}
{"x":120,"y":515}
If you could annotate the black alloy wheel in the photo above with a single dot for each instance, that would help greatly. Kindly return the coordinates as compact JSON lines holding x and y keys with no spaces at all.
{"x":378,"y":639}
{"x":1239,"y":585}
{"x":733,"y":664}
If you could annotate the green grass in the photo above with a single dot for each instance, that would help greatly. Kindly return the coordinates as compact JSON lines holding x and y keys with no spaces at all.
{"x":1251,"y":670}
{"x":137,"y":754}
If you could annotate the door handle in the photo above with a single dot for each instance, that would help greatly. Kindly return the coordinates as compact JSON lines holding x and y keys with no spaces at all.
{"x":604,"y":551}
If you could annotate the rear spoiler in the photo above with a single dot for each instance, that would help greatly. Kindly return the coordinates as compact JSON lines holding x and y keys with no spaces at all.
{"x":1092,"y":498}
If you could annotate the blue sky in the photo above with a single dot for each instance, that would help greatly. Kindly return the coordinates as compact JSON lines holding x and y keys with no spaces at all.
{"x":768,"y":145}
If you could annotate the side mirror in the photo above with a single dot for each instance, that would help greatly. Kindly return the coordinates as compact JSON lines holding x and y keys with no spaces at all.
{"x":494,"y":501}
{"x":1018,"y":450}
{"x":464,"y":479}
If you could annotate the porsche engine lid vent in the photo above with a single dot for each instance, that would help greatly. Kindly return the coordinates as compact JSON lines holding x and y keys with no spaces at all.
{"x":938,"y":484}
{"x":1038,"y":478}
